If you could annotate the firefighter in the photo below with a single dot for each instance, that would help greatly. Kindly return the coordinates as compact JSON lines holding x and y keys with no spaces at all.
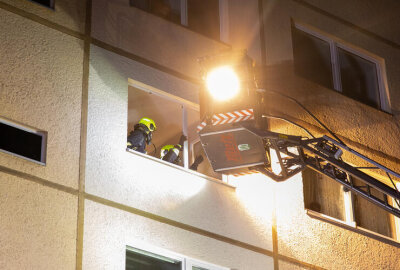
{"x":171,"y":152}
{"x":141,"y":135}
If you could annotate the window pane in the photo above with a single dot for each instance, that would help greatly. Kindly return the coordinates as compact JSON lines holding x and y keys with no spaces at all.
{"x":142,"y":260}
{"x":167,"y":9}
{"x":322,"y":194}
{"x":370,"y":216}
{"x":203,"y":17}
{"x":312,"y":58}
{"x":20,"y":142}
{"x":141,"y":4}
{"x":359,"y":78}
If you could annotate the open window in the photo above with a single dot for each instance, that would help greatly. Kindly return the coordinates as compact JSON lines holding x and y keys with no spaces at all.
{"x":166,"y":114}
{"x":173,"y":116}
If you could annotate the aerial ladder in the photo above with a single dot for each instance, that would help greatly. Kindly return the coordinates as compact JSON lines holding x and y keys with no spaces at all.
{"x":234,"y":146}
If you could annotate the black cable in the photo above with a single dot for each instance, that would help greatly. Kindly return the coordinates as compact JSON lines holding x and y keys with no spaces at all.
{"x":155,"y":150}
{"x":316,"y":119}
{"x":291,"y":122}
{"x":312,"y":115}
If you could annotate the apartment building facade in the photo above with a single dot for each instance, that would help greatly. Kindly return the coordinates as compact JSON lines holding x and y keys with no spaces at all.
{"x":79,"y":74}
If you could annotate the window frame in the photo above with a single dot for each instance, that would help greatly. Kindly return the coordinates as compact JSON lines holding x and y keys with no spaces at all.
{"x":190,"y":263}
{"x":185,"y":104}
{"x":350,"y":223}
{"x":334,"y":44}
{"x":188,"y":147}
{"x":223,"y":19}
{"x":187,"y":262}
{"x":349,"y":209}
{"x":396,"y":220}
{"x":156,"y":251}
{"x":43,"y":134}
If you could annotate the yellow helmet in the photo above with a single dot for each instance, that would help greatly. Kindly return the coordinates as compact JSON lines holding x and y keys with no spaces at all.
{"x":165,"y":149}
{"x":149,"y":123}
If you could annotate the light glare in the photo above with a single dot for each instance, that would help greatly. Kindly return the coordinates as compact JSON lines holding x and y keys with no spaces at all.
{"x":223,"y":83}
{"x":275,"y":165}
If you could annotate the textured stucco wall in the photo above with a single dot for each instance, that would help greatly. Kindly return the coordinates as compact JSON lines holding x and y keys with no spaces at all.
{"x":380,"y":17}
{"x":117,"y":175}
{"x":113,"y":229}
{"x":37,"y":225}
{"x":40,"y":86}
{"x":290,"y":266}
{"x":373,"y":133}
{"x":324,"y":244}
{"x":40,"y":223}
{"x":67,"y":13}
{"x":346,"y":117}
{"x":279,"y":43}
{"x":151,"y":37}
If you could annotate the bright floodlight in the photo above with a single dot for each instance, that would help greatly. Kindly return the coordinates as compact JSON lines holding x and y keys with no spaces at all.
{"x":223,"y":83}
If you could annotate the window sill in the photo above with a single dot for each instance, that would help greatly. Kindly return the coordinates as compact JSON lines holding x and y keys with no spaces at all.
{"x":23,"y":157}
{"x":387,"y":112}
{"x":180,"y":168}
{"x":352,"y":227}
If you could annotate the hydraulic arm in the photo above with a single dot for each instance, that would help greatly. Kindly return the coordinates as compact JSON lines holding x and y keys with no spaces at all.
{"x":323,"y":155}
{"x":236,"y":139}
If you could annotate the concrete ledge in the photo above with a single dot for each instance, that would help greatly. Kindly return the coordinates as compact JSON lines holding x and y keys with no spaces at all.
{"x":181,"y":168}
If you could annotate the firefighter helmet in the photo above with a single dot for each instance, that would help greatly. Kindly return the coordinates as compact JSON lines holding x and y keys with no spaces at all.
{"x":149,"y":123}
{"x":165,"y":149}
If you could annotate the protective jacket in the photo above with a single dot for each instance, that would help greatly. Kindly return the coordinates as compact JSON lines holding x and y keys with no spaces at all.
{"x":171,"y":153}
{"x":139,"y":138}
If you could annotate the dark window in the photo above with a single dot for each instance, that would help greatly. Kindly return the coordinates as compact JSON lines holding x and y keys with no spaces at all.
{"x":203,"y":17}
{"x":354,"y":75}
{"x":359,"y":78}
{"x":47,"y":3}
{"x":312,"y":58}
{"x":326,"y":196}
{"x":137,"y":259}
{"x":369,"y":216}
{"x":323,"y":195}
{"x":21,"y":142}
{"x":167,"y":9}
{"x":140,"y":4}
